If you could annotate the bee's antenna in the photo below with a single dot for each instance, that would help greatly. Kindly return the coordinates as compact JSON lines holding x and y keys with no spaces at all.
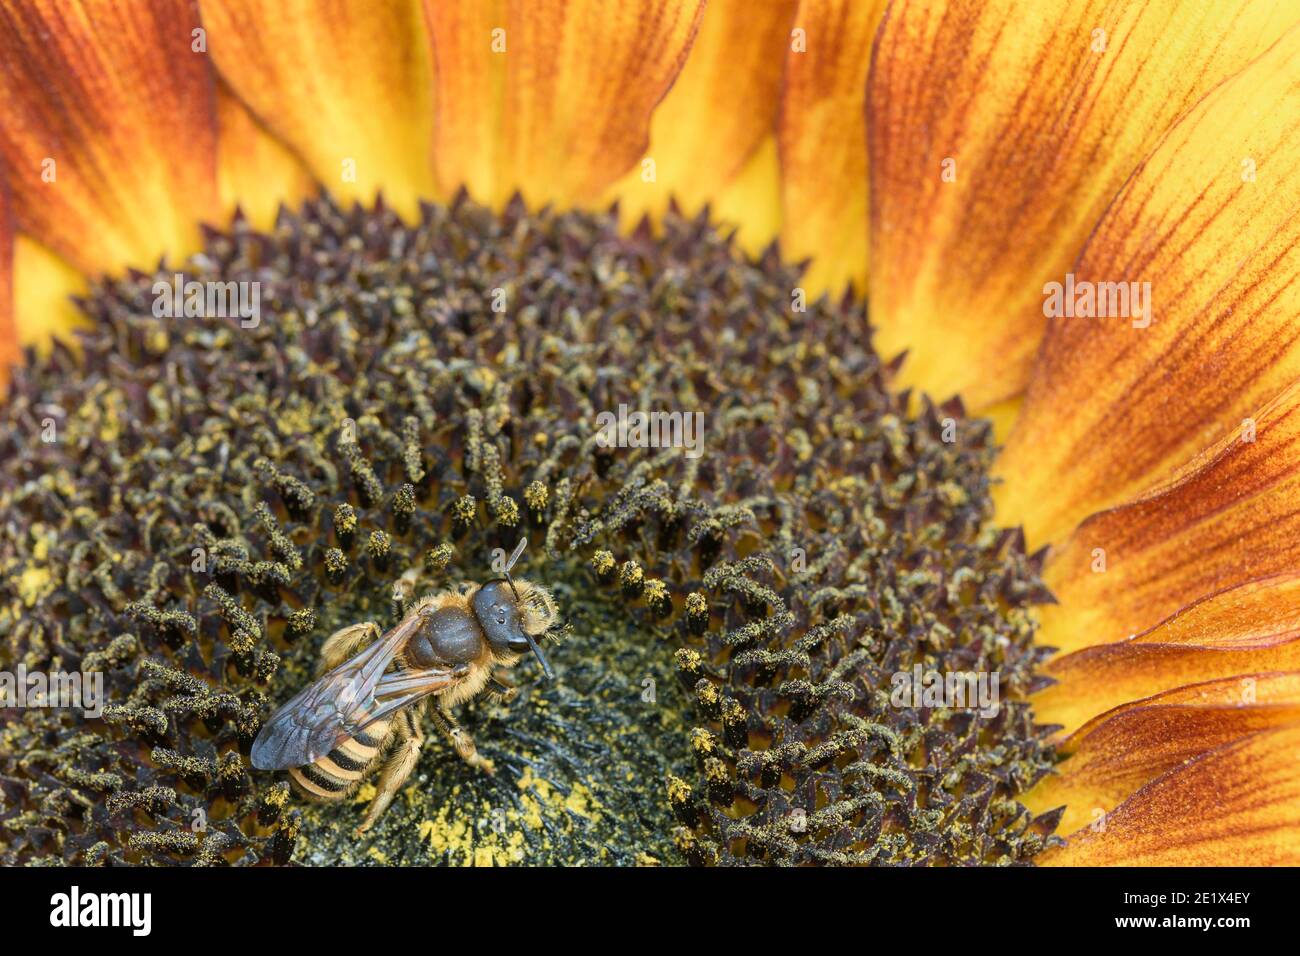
{"x":519,"y":549}
{"x":537,"y":651}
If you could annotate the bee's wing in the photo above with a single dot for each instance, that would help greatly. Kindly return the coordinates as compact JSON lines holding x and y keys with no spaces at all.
{"x":344,"y":702}
{"x":395,"y":691}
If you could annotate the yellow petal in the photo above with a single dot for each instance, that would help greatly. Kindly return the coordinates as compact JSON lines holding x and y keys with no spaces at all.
{"x":720,"y":110}
{"x":752,"y":200}
{"x":547,"y":97}
{"x":999,"y":133}
{"x":256,"y":172}
{"x":347,"y":85}
{"x":1228,"y":518}
{"x":1237,"y":804}
{"x":823,"y":141}
{"x":1210,"y":228}
{"x":8,"y":327}
{"x":1244,"y":629}
{"x":44,"y":285}
{"x":1124,"y":750}
{"x":107,"y":129}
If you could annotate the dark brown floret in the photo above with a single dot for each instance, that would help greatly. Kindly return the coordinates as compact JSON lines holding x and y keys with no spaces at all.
{"x":336,"y":565}
{"x":604,"y":566}
{"x":379,"y":549}
{"x":404,"y":508}
{"x":345,"y":525}
{"x":631,"y":580}
{"x":437,"y":558}
{"x":300,"y":623}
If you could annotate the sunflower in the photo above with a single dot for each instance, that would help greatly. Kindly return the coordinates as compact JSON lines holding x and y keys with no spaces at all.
{"x":963,"y":164}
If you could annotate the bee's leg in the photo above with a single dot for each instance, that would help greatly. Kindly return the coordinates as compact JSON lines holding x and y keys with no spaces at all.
{"x":413,"y":579}
{"x":504,"y":688}
{"x":346,"y":642}
{"x":398,"y":767}
{"x":461,"y":742}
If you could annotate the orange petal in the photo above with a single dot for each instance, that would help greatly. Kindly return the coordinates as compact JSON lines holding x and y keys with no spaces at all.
{"x":1125,"y":749}
{"x":107,"y":128}
{"x":1237,"y":804}
{"x":823,"y":140}
{"x":1230,"y":517}
{"x":548,"y":97}
{"x":999,"y":132}
{"x":256,"y":172}
{"x":719,"y":111}
{"x":1211,"y":225}
{"x":1253,"y":627}
{"x":347,"y":85}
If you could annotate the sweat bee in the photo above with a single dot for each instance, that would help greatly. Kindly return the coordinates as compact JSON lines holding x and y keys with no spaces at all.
{"x":374,"y":688}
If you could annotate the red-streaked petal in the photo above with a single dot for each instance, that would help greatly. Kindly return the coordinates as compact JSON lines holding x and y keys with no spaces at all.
{"x":1209,"y":230}
{"x":347,"y":85}
{"x":718,"y":113}
{"x":822,"y":136}
{"x":1238,"y":804}
{"x":1037,"y":120}
{"x":1251,"y":628}
{"x":108,"y":128}
{"x":1230,"y":517}
{"x":548,"y":97}
{"x":1121,"y":751}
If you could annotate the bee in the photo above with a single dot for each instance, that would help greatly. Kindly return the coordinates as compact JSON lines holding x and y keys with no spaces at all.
{"x":367,"y":705}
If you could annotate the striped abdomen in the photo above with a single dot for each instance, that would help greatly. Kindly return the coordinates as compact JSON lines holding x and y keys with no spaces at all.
{"x":335,"y":775}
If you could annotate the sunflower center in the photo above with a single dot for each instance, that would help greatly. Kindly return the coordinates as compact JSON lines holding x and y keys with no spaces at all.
{"x":791,"y":635}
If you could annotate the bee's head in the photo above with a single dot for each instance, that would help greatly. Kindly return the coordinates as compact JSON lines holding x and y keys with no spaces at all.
{"x":513,"y":616}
